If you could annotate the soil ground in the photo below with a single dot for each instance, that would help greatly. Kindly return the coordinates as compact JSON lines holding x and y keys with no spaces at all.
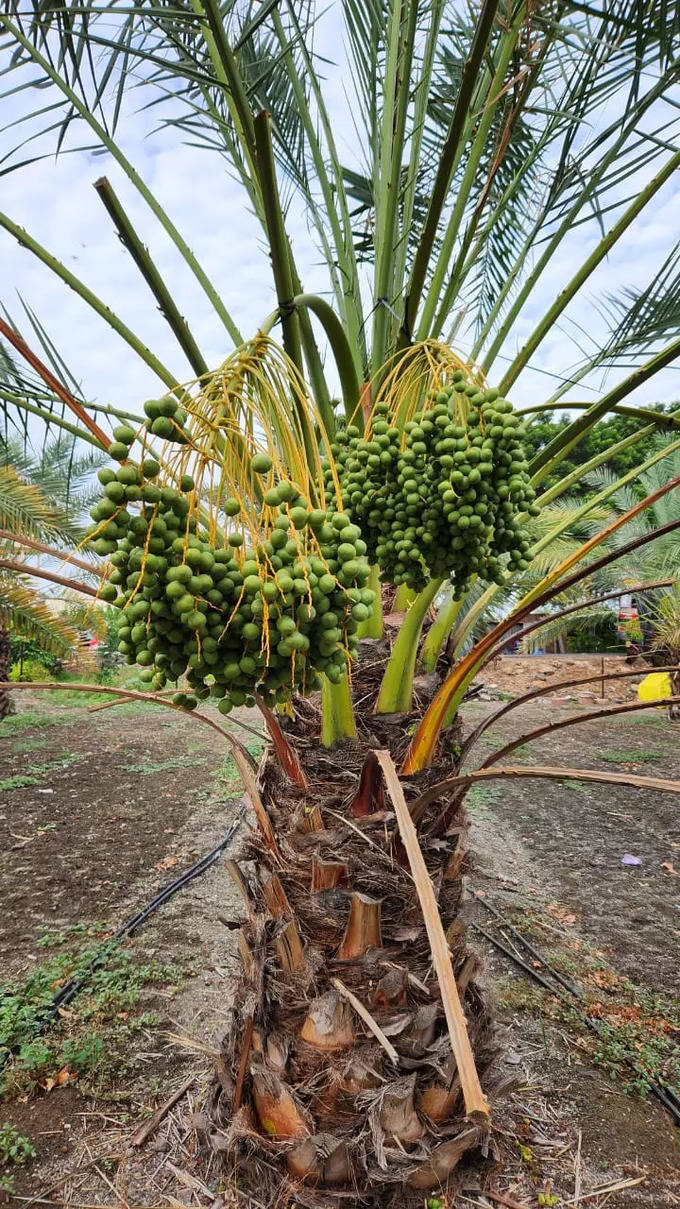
{"x":521,"y":673}
{"x":137,"y":795}
{"x":548,"y":856}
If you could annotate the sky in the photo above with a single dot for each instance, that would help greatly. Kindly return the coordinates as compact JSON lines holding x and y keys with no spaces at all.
{"x":55,"y":201}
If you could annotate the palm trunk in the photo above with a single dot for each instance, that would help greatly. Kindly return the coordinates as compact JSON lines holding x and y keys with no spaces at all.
{"x":674,"y":710}
{"x":337,"y":1076}
{"x":6,"y":702}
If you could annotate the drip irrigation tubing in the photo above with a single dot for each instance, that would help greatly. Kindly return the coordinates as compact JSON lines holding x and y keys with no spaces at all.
{"x":70,"y":989}
{"x":665,"y":1094}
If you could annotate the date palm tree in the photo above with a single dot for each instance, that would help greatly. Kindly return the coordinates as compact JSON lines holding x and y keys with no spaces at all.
{"x":659,"y":611}
{"x":491,"y":146}
{"x":41,"y":500}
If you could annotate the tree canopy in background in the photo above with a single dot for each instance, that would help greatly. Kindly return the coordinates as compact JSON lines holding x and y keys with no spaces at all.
{"x":602,"y":436}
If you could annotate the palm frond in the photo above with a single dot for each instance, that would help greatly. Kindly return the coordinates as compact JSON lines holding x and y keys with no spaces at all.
{"x":588,"y":621}
{"x":566,"y":514}
{"x":81,"y":617}
{"x":26,"y":511}
{"x":663,"y":612}
{"x":25,"y":613}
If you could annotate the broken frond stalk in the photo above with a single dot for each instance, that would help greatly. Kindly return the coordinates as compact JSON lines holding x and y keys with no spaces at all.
{"x":368,"y":1019}
{"x":363,"y":927}
{"x":475,"y":1102}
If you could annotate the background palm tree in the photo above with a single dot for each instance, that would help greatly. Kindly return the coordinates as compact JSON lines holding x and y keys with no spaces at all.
{"x":659,"y":613}
{"x":41,"y":504}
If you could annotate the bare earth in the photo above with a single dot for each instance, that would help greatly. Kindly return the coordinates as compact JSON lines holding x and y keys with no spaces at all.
{"x":521,"y":673}
{"x":136,"y":799}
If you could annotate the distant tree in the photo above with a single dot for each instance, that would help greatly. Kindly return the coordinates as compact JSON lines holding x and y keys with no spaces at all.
{"x":600,"y":437}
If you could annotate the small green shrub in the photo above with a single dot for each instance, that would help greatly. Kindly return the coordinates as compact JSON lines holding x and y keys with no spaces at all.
{"x":30,"y":672}
{"x":27,"y":649}
{"x":628,"y":757}
{"x":14,"y":1147}
{"x":94,"y":1038}
{"x":15,"y":1150}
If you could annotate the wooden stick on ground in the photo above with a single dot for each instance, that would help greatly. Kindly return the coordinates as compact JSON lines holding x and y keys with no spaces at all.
{"x":475,"y":1102}
{"x":149,"y":1127}
{"x":577,"y":1166}
{"x":508,"y":1201}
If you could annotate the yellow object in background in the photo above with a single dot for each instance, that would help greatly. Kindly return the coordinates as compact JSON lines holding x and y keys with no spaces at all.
{"x":657,"y":684}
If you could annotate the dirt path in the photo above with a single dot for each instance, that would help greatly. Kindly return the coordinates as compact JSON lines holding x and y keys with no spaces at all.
{"x":119,"y":803}
{"x":520,"y":673}
{"x":566,"y":840}
{"x":548,"y":856}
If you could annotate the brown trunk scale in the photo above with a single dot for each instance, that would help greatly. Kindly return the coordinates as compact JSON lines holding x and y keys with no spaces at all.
{"x":338,"y":1057}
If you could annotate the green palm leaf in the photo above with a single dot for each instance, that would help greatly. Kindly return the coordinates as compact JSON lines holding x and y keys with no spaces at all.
{"x":25,"y":510}
{"x":24,"y":612}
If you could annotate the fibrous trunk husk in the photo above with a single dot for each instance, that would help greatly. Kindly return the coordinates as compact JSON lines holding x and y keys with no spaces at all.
{"x":349,"y":1094}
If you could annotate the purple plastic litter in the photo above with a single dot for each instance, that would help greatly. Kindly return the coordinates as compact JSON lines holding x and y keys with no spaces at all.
{"x":630,"y":860}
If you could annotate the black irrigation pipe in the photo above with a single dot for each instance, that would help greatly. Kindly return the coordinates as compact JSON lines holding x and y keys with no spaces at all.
{"x":71,"y":988}
{"x":662,"y":1091}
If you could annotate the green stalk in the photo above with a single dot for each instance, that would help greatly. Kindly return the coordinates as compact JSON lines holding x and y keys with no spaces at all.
{"x":587,"y":268}
{"x":223,"y":58}
{"x":235,"y":148}
{"x":111,"y":146}
{"x":344,"y":253}
{"x":348,"y":265}
{"x":403,"y":598}
{"x":499,"y":210}
{"x":421,"y":96}
{"x":105,"y":312}
{"x":439,"y":632}
{"x":432,"y":320}
{"x":337,"y":714}
{"x":278,"y":242}
{"x":315,"y":369}
{"x":265,"y":202}
{"x":372,"y":627}
{"x":340,"y":347}
{"x":446,"y":167}
{"x":142,"y":258}
{"x":107,"y":410}
{"x":392,"y":138}
{"x":462,"y":263}
{"x":281,"y":262}
{"x":579,"y":472}
{"x":556,"y":450}
{"x":266,"y":206}
{"x":396,"y":689}
{"x":659,"y":419}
